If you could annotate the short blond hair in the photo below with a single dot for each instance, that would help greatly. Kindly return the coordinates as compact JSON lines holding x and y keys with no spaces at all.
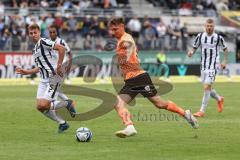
{"x":209,"y":20}
{"x":34,"y":26}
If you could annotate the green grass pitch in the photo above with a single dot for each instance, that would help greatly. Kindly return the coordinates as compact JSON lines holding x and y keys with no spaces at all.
{"x":25,"y":134}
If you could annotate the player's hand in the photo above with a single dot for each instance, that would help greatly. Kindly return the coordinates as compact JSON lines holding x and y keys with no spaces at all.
{"x":59,"y":71}
{"x":190,"y":53}
{"x":223,"y":66}
{"x":19,"y":70}
{"x":68,"y":68}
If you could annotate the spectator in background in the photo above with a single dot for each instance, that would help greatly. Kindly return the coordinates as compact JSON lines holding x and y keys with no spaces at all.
{"x":5,"y":40}
{"x":185,"y":8}
{"x":81,"y":5}
{"x":172,"y":4}
{"x":2,"y":8}
{"x":210,"y":8}
{"x":23,"y":11}
{"x":161,"y":57}
{"x":161,"y":32}
{"x":149,"y":35}
{"x":134,"y":25}
{"x":16,"y":40}
{"x":59,"y":21}
{"x":72,"y":29}
{"x":23,"y":37}
{"x":174,"y":33}
{"x":87,"y":43}
{"x":49,"y":19}
{"x":184,"y":36}
{"x":94,"y":28}
{"x":103,"y":26}
{"x":86,"y":25}
{"x":44,"y":27}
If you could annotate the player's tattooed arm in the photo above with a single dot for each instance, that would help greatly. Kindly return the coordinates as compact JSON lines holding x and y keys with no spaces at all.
{"x":61,"y":52}
{"x":225,"y":58}
{"x":126,"y":47}
{"x":26,"y":71}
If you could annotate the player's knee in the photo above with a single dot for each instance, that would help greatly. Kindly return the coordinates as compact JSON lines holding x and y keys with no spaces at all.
{"x":42,"y":106}
{"x":160,"y":105}
{"x":207,"y":87}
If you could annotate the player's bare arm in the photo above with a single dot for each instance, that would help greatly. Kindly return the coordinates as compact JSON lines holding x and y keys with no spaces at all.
{"x":225,"y":58}
{"x":61,"y":51}
{"x":126,"y":48}
{"x":26,"y":71}
{"x":191,"y":52}
{"x":69,"y":62}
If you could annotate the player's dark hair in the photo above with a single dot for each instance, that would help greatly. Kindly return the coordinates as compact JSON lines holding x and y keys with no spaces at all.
{"x":54,"y":26}
{"x":116,"y":21}
{"x":210,"y":20}
{"x":34,"y":26}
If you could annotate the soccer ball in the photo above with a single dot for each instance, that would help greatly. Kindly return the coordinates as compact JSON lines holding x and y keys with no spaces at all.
{"x":83,"y":134}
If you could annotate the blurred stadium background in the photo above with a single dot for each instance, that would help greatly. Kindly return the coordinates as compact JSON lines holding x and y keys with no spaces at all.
{"x":158,"y":26}
{"x":162,"y":29}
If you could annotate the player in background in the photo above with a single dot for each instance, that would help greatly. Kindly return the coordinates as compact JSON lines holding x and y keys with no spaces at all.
{"x":136,"y":81}
{"x":210,"y":43}
{"x":53,"y":34}
{"x":50,"y":69}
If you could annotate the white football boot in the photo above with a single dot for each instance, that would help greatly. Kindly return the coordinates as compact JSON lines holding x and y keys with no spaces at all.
{"x":191,"y":119}
{"x":127,"y":132}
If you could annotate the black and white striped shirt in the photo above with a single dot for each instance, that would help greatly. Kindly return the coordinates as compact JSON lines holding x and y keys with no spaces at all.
{"x":63,"y":43}
{"x":44,"y":59}
{"x":210,"y":46}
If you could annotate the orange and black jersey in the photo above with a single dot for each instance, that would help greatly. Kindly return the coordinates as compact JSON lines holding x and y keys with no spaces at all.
{"x":127,"y":57}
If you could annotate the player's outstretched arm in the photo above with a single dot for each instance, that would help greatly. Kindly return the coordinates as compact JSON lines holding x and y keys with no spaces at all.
{"x":61,"y":51}
{"x":225,"y":58}
{"x":69,"y":62}
{"x":26,"y":71}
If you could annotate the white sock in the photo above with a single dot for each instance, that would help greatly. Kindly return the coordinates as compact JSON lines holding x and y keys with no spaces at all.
{"x":62,"y":96}
{"x":58,"y":104}
{"x":205,"y":100}
{"x":214,"y":95}
{"x":51,"y":114}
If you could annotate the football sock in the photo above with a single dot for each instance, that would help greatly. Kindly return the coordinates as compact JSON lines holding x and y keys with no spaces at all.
{"x":125,"y":116}
{"x":205,"y":100}
{"x":214,"y":95}
{"x":62,"y":96}
{"x":58,"y":104}
{"x":51,"y":114}
{"x":172,"y":107}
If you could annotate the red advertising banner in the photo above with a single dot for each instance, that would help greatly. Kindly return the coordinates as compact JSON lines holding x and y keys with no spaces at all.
{"x":16,"y":58}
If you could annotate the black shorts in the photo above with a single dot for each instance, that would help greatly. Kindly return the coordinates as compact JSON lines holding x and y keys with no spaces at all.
{"x":140,"y":84}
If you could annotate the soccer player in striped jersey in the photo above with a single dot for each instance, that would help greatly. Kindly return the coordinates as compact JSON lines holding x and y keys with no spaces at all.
{"x":51,"y":72}
{"x":210,"y":44}
{"x":53,"y":34}
{"x":136,"y":81}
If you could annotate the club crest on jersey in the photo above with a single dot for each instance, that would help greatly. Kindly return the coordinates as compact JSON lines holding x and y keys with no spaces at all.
{"x":147,"y":88}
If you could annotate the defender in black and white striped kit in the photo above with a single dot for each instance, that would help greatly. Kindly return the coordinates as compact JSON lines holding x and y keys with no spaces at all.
{"x":50,"y":68}
{"x":210,"y":43}
{"x":52,"y":30}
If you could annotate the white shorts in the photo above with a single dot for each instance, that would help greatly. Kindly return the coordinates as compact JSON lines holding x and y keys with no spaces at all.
{"x":208,"y":76}
{"x":47,"y":91}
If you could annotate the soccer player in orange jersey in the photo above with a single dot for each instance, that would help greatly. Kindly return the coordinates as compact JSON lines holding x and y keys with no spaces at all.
{"x":136,"y":81}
